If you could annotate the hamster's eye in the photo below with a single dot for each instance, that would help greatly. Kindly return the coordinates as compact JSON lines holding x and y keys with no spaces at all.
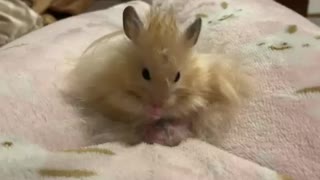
{"x":146,"y":74}
{"x":176,"y":79}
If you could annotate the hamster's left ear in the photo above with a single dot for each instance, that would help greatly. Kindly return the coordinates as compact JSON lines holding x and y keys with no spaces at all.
{"x":191,"y":34}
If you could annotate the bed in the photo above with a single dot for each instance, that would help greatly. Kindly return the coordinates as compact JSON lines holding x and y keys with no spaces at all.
{"x":275,"y":137}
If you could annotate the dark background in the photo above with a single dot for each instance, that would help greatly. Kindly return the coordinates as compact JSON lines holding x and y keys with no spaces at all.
{"x":300,"y":6}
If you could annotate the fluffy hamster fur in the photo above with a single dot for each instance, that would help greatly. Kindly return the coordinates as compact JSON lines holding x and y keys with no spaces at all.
{"x":110,"y":79}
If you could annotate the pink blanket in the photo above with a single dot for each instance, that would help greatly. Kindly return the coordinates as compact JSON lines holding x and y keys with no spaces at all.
{"x":278,"y":130}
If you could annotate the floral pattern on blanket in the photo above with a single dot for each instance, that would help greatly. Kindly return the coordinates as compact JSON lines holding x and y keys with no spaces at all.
{"x":280,"y":127}
{"x":278,"y":130}
{"x":189,"y":162}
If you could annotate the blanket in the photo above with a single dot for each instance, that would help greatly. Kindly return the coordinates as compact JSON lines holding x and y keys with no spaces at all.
{"x":277,"y":130}
{"x":20,"y":17}
{"x":16,"y":20}
{"x":53,"y":10}
{"x":192,"y":160}
{"x":71,"y":7}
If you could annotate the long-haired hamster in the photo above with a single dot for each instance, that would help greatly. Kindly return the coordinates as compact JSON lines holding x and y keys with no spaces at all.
{"x":152,"y":85}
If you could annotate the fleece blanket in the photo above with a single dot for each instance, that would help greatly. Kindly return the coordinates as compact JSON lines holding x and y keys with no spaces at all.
{"x":16,"y":19}
{"x":192,"y":160}
{"x":277,"y":130}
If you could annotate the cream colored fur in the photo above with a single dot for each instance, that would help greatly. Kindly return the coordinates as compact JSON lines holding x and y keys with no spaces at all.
{"x":108,"y":80}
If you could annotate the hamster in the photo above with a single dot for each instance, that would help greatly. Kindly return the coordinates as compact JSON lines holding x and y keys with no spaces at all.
{"x":149,"y":82}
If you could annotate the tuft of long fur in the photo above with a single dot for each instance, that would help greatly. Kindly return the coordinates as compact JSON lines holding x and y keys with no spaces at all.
{"x":107,"y":78}
{"x":162,"y":27}
{"x":230,"y":87}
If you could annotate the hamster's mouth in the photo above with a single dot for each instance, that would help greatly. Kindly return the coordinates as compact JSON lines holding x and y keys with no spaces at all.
{"x":159,"y":122}
{"x":154,"y":114}
{"x":155,"y":117}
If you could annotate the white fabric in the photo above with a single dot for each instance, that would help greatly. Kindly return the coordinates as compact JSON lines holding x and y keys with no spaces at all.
{"x":279,"y":130}
{"x":16,"y":19}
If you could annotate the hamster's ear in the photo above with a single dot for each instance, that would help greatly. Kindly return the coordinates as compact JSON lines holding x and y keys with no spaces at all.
{"x":192,"y":33}
{"x":132,"y":25}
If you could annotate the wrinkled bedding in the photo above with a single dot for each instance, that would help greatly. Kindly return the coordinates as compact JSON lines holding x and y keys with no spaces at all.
{"x":192,"y":160}
{"x":16,"y":20}
{"x":277,"y":133}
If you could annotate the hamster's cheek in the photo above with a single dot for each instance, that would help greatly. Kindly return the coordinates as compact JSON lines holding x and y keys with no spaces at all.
{"x":197,"y":102}
{"x":136,"y":108}
{"x":130,"y":104}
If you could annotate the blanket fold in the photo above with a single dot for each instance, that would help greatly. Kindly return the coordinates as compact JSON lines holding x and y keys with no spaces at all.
{"x":16,"y":20}
{"x":193,"y":160}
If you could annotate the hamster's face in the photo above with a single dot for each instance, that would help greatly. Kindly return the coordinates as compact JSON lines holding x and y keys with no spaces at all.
{"x":162,"y":69}
{"x":166,"y":83}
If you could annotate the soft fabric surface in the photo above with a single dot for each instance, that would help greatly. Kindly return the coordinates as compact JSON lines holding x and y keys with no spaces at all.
{"x":16,"y":19}
{"x":193,"y":160}
{"x":279,"y":129}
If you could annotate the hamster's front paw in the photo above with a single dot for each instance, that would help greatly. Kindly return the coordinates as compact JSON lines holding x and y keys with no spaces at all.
{"x":167,"y":133}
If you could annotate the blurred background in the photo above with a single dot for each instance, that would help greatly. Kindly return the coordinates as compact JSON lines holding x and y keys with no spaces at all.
{"x":307,"y":8}
{"x":314,"y":11}
{"x":19,"y":17}
{"x":53,"y":10}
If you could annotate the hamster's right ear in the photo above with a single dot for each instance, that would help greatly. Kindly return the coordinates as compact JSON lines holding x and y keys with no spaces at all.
{"x":132,"y":25}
